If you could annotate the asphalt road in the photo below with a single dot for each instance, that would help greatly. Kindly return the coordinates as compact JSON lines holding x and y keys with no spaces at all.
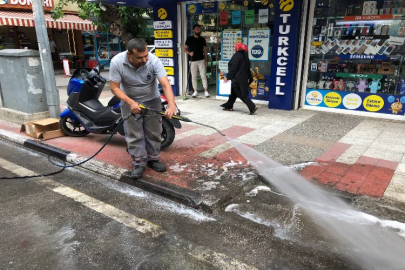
{"x":80,"y":220}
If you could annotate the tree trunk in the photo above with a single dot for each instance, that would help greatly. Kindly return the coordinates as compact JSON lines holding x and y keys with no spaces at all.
{"x":116,"y":28}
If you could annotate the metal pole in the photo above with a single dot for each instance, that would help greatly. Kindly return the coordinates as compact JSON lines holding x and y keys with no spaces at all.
{"x":52,"y":93}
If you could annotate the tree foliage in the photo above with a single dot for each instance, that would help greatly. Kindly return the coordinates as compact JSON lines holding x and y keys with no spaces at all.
{"x":124,"y":22}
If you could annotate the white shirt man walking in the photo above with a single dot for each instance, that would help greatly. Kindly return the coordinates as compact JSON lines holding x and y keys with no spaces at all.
{"x":196,"y":47}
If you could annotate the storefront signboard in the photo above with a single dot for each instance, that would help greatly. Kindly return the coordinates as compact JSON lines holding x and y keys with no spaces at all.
{"x":362,"y":56}
{"x":25,"y":4}
{"x":167,"y":62}
{"x":201,"y":8}
{"x":287,"y":21}
{"x":366,"y":102}
{"x":236,"y":17}
{"x":369,"y":17}
{"x":165,"y":19}
{"x":223,"y":18}
{"x":359,"y":76}
{"x":164,"y":52}
{"x":259,"y":44}
{"x":163,"y":34}
{"x":263,"y":15}
{"x":223,"y":66}
{"x":159,"y":25}
{"x":169,"y":70}
{"x":229,"y":40}
{"x":365,"y":37}
{"x":249,"y":16}
{"x":163,"y":43}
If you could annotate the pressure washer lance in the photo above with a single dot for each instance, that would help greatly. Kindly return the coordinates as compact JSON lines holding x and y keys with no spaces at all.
{"x":181,"y":118}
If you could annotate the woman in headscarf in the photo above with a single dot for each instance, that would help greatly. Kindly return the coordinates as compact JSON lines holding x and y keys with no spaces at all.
{"x":240,"y":77}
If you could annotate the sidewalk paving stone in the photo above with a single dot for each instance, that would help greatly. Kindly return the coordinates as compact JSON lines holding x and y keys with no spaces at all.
{"x":356,"y":155}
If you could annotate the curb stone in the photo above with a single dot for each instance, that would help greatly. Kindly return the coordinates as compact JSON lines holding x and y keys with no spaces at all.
{"x":191,"y":198}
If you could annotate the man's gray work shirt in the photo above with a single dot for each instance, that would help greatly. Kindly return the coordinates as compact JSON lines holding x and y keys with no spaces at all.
{"x":140,"y":84}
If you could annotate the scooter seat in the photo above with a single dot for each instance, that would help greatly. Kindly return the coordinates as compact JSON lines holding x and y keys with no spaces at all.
{"x":113,"y":101}
{"x":94,"y":104}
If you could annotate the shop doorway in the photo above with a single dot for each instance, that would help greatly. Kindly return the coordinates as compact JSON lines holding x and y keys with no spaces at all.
{"x":241,"y":21}
{"x":209,"y":31}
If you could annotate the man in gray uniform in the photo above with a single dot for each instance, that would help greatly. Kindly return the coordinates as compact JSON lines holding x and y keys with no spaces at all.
{"x":133,"y":75}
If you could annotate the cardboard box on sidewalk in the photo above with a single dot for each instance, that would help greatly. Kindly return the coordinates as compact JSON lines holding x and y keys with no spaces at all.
{"x":43,"y":129}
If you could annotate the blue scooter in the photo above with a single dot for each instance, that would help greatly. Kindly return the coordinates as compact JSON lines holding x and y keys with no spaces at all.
{"x":85,"y":114}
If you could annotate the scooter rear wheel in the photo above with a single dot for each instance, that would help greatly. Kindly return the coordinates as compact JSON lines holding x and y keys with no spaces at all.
{"x":72,"y":129}
{"x":168,"y":133}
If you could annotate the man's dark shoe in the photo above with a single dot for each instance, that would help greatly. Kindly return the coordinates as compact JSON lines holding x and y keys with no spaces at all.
{"x":156,"y":165}
{"x":137,"y":172}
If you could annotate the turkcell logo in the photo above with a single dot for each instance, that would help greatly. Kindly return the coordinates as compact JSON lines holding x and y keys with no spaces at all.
{"x":286,"y":5}
{"x":257,"y":51}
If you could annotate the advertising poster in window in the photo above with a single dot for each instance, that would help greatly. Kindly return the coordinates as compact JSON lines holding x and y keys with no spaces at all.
{"x":249,"y":16}
{"x":202,"y":8}
{"x":259,"y":44}
{"x":259,"y":89}
{"x":263,"y":15}
{"x":223,"y":18}
{"x":236,"y":17}
{"x":229,"y":40}
{"x":366,"y":102}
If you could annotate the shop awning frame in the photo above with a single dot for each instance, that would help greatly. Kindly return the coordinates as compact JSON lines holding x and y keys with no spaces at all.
{"x":26,"y":19}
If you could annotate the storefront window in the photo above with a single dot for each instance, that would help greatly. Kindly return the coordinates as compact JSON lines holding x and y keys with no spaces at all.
{"x":65,"y":43}
{"x":114,"y":46}
{"x":356,"y":56}
{"x":226,"y":23}
{"x":7,"y":37}
{"x":2,"y":39}
{"x":102,"y":47}
{"x":89,"y":47}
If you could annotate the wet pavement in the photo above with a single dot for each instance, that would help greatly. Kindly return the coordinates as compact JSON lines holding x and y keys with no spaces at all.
{"x":80,"y":220}
{"x":47,"y":225}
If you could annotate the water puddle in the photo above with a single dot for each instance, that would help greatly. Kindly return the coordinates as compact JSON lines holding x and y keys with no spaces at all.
{"x":185,"y":211}
{"x":40,"y":242}
{"x":286,"y":225}
{"x":256,"y":190}
{"x":373,"y":246}
{"x":163,"y":204}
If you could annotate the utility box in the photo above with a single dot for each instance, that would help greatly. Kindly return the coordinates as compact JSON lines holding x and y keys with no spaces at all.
{"x":22,"y":83}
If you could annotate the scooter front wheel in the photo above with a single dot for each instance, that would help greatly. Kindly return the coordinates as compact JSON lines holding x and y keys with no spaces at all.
{"x":74,"y":129}
{"x":168,"y":133}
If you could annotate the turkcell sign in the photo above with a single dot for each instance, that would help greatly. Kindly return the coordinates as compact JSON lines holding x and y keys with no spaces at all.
{"x":285,"y":47}
{"x":282,"y":53}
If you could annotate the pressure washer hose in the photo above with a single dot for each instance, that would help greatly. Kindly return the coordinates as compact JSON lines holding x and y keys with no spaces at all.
{"x":63,"y":166}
